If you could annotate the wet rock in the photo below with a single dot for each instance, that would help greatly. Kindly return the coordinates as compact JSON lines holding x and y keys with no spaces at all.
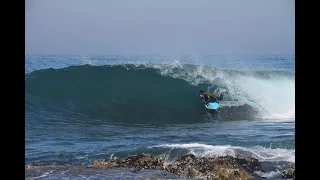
{"x":290,"y":172}
{"x":37,"y":164}
{"x":139,"y":161}
{"x":105,"y":164}
{"x":225,"y":167}
{"x":227,"y":172}
{"x":142,"y":161}
{"x":250,"y":164}
{"x":189,"y":166}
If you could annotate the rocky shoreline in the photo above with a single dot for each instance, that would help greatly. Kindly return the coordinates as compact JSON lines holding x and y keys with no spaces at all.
{"x":190,"y":166}
{"x":290,"y":172}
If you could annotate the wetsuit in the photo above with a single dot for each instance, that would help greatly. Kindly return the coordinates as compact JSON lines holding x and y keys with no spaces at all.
{"x":209,"y":98}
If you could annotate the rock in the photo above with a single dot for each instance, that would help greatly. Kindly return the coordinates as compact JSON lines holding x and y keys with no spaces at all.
{"x":250,"y":164}
{"x":105,"y":164}
{"x":139,"y":161}
{"x":290,"y":172}
{"x":225,"y":167}
{"x":227,"y":172}
{"x":37,"y":164}
{"x":189,"y":166}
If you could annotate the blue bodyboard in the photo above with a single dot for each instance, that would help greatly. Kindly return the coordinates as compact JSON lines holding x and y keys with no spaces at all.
{"x":212,"y":105}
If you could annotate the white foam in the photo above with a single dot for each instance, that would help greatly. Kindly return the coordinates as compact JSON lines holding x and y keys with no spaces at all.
{"x":258,"y":152}
{"x":274,"y":97}
{"x":86,"y":60}
{"x":41,"y":176}
{"x":269,"y":174}
{"x":82,"y":157}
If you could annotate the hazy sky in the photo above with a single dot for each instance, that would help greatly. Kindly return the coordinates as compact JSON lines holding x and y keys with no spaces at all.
{"x":89,"y":27}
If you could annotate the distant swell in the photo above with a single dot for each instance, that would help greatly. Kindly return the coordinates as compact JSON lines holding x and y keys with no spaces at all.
{"x":154,"y":93}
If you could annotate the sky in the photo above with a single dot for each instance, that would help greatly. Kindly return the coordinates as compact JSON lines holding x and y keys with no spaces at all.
{"x":102,"y":27}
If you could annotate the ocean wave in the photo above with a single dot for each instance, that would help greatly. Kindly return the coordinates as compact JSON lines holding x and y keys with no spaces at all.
{"x":157,"y":93}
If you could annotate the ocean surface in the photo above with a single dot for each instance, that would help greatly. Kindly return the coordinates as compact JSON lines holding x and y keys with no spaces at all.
{"x":79,"y":109}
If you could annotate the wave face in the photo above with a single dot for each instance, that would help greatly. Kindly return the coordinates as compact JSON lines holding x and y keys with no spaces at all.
{"x":152,"y":93}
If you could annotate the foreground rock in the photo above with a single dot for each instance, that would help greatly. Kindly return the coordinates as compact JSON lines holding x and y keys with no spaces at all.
{"x":290,"y":172}
{"x":139,"y":161}
{"x":37,"y":164}
{"x":189,"y":166}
